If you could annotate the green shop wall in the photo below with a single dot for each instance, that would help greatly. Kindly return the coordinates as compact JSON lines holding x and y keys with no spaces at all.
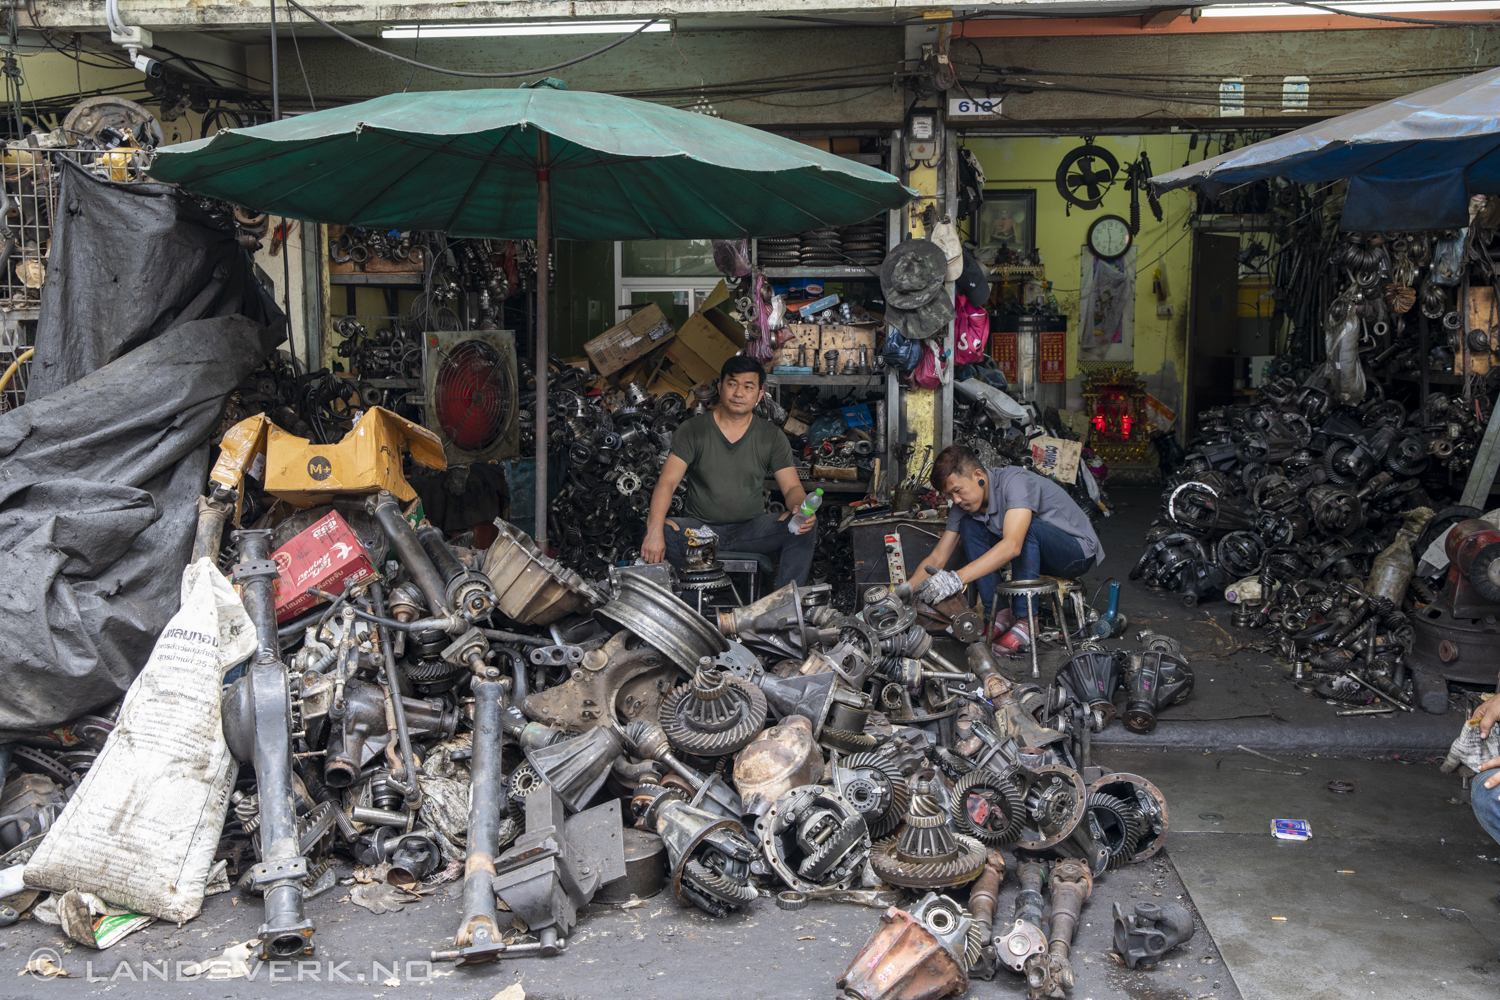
{"x":583,"y":295}
{"x":1031,"y":162}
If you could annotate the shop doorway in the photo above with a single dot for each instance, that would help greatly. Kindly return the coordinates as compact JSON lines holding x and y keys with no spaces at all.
{"x":1213,"y":337}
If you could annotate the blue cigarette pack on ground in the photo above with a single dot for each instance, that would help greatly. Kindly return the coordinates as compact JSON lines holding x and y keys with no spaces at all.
{"x":1291,"y":829}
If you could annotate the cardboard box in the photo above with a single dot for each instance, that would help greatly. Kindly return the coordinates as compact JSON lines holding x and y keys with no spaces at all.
{"x":847,"y":340}
{"x":1057,"y":457}
{"x":327,"y":556}
{"x":809,"y":335}
{"x":367,"y":460}
{"x":624,"y":342}
{"x":707,"y":340}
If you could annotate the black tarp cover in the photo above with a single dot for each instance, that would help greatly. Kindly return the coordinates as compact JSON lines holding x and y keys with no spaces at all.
{"x":98,"y":505}
{"x":129,"y":262}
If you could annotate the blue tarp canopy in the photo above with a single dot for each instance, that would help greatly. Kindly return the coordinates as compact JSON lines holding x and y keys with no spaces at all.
{"x":1411,"y":163}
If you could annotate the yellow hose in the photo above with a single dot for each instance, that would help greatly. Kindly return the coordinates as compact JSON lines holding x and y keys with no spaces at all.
{"x":15,"y":366}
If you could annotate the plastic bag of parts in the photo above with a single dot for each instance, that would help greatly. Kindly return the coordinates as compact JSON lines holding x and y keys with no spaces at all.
{"x":1342,"y":369}
{"x":732,"y":257}
{"x":167,"y":750}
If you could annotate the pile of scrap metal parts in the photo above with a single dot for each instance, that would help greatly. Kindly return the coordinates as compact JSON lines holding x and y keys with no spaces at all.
{"x":611,"y":449}
{"x":491,"y":716}
{"x":1323,"y":524}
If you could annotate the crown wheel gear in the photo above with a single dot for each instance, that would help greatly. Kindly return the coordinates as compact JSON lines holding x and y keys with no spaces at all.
{"x":927,"y":854}
{"x":714,"y":714}
{"x":1120,"y":823}
{"x":719,"y":886}
{"x":964,"y":867}
{"x":846,"y":742}
{"x":998,"y":795}
{"x":877,"y":782}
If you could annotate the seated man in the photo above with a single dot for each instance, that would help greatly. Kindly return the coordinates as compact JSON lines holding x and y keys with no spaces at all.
{"x":1005,"y":515}
{"x":1482,"y":791}
{"x":726,"y":455}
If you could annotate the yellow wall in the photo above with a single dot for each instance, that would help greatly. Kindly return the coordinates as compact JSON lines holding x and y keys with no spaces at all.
{"x":1031,"y":162}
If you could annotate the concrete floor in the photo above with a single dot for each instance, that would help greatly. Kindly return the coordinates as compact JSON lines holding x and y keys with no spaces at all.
{"x":1416,"y":918}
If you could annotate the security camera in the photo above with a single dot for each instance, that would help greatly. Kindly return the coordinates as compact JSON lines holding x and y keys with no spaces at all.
{"x":147,"y":65}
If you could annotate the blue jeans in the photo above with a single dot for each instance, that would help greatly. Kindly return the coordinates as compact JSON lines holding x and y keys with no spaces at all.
{"x":1047,"y":549}
{"x":1486,"y":803}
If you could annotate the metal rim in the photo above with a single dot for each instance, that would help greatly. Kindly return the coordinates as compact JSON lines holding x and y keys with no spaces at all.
{"x":666,"y":623}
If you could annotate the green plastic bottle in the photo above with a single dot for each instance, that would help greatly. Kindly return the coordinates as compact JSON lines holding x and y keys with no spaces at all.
{"x":809,"y":509}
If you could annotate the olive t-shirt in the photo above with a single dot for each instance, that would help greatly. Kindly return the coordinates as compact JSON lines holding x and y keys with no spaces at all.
{"x":726,"y":482}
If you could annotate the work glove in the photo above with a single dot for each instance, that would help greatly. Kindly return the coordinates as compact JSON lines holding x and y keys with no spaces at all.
{"x":939,"y":587}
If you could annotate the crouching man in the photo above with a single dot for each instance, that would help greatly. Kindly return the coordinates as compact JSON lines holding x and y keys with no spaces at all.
{"x":726,"y":455}
{"x":1003,"y":516}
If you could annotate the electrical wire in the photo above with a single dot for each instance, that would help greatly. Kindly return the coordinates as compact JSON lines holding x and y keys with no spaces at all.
{"x":291,"y":27}
{"x":467,"y":73}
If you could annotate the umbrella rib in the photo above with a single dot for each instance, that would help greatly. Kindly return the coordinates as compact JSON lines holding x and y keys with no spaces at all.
{"x":396,"y":179}
{"x":478,"y":176}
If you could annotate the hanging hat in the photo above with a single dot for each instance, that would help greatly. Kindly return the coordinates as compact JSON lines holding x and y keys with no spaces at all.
{"x":912,"y":279}
{"x":974,"y":282}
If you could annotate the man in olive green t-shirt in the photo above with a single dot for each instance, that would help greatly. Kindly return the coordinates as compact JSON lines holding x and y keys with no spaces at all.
{"x":726,"y":455}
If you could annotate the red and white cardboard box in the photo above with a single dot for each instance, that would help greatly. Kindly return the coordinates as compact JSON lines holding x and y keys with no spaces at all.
{"x":327,"y":556}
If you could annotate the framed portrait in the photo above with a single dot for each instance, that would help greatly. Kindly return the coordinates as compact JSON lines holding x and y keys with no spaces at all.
{"x":1006,"y":219}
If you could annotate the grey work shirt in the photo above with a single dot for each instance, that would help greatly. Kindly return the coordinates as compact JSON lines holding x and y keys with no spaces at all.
{"x":1013,"y":486}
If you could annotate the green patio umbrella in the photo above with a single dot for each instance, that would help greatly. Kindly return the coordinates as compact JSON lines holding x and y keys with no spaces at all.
{"x":531,"y":163}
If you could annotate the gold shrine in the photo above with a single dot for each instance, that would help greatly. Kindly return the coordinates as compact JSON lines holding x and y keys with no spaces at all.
{"x":1114,"y":400}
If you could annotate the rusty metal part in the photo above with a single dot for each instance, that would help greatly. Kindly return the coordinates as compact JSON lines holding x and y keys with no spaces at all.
{"x":813,"y":838}
{"x":951,"y":924}
{"x":1456,"y":648}
{"x":1154,"y":680}
{"x":903,"y":960}
{"x":645,"y":870}
{"x":927,"y":854}
{"x":1021,"y":942}
{"x":982,"y":665}
{"x":711,"y":791}
{"x":576,"y":768}
{"x":876,"y":787}
{"x":1119,"y":823}
{"x":782,"y":758}
{"x":715,"y":714}
{"x":710,"y":855}
{"x":668,"y":624}
{"x":1133,"y":789}
{"x":791,"y":900}
{"x":987,"y":807}
{"x":1071,"y":885}
{"x":953,"y":616}
{"x":1143,"y":937}
{"x":534,"y":589}
{"x":1091,"y":677}
{"x":362,"y":730}
{"x":1056,"y":801}
{"x":983,"y":896}
{"x":623,"y":680}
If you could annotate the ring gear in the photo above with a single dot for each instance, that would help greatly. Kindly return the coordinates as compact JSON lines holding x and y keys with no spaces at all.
{"x":996,"y":819}
{"x":927,"y":854}
{"x":714,"y":714}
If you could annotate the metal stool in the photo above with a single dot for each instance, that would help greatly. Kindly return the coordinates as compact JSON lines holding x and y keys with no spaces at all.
{"x":1031,"y":590}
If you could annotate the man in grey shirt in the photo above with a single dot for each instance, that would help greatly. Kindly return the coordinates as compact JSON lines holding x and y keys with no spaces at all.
{"x":1004,"y":515}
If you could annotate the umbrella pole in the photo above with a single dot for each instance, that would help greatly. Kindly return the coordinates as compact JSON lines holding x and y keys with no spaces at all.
{"x":543,"y":212}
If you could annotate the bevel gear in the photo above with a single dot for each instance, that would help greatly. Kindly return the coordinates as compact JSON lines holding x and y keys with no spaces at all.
{"x":714,"y":714}
{"x":988,"y":808}
{"x":876,"y":788}
{"x":927,"y":854}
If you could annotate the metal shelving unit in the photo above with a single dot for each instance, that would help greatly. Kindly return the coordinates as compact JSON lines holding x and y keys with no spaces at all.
{"x":378,"y":278}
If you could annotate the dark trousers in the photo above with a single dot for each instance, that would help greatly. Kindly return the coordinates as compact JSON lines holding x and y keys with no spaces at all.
{"x":767,"y":534}
{"x":1047,"y":549}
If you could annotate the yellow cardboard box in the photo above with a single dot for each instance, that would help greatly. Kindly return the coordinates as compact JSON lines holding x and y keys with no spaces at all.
{"x":366,"y":460}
